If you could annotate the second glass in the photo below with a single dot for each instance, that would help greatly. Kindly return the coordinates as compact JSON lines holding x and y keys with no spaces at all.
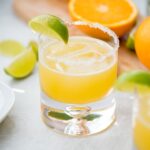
{"x":77,"y":80}
{"x":141,"y":129}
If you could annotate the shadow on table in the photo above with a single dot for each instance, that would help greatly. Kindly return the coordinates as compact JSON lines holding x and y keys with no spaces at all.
{"x":7,"y":130}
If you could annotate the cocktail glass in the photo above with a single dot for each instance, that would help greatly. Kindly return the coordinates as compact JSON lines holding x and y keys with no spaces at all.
{"x":141,"y":128}
{"x":77,"y":80}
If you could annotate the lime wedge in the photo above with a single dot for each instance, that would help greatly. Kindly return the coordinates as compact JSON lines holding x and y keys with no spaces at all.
{"x":11,"y":47}
{"x":130,"y":42}
{"x":51,"y":26}
{"x":129,"y":81}
{"x":130,"y":39}
{"x":34,"y":46}
{"x":22,"y":65}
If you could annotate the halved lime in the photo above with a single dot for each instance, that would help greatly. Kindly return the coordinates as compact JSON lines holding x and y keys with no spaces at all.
{"x":34,"y":46}
{"x":129,"y":81}
{"x":51,"y":26}
{"x":11,"y":47}
{"x":22,"y":65}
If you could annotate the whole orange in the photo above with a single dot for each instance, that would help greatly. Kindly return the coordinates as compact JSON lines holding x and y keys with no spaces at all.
{"x":142,"y":42}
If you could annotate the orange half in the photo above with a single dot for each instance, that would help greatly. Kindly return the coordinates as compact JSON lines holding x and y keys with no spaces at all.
{"x":118,"y":15}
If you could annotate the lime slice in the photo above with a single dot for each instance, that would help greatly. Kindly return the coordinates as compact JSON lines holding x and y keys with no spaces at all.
{"x":34,"y":46}
{"x":11,"y":47}
{"x":22,"y":65}
{"x":51,"y":26}
{"x":129,"y":81}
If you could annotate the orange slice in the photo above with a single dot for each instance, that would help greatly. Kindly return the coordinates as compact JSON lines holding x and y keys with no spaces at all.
{"x":118,"y":15}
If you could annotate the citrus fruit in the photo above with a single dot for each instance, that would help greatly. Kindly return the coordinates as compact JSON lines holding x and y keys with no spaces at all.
{"x":142,"y":42}
{"x":118,"y":15}
{"x":11,"y":47}
{"x":22,"y":65}
{"x":130,"y":40}
{"x":51,"y":26}
{"x":34,"y":46}
{"x":129,"y":81}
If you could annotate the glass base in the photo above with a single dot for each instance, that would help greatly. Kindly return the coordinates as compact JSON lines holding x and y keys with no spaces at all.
{"x":79,"y":120}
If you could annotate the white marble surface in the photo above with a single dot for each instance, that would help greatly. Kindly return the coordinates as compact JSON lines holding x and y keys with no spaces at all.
{"x":23,"y":128}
